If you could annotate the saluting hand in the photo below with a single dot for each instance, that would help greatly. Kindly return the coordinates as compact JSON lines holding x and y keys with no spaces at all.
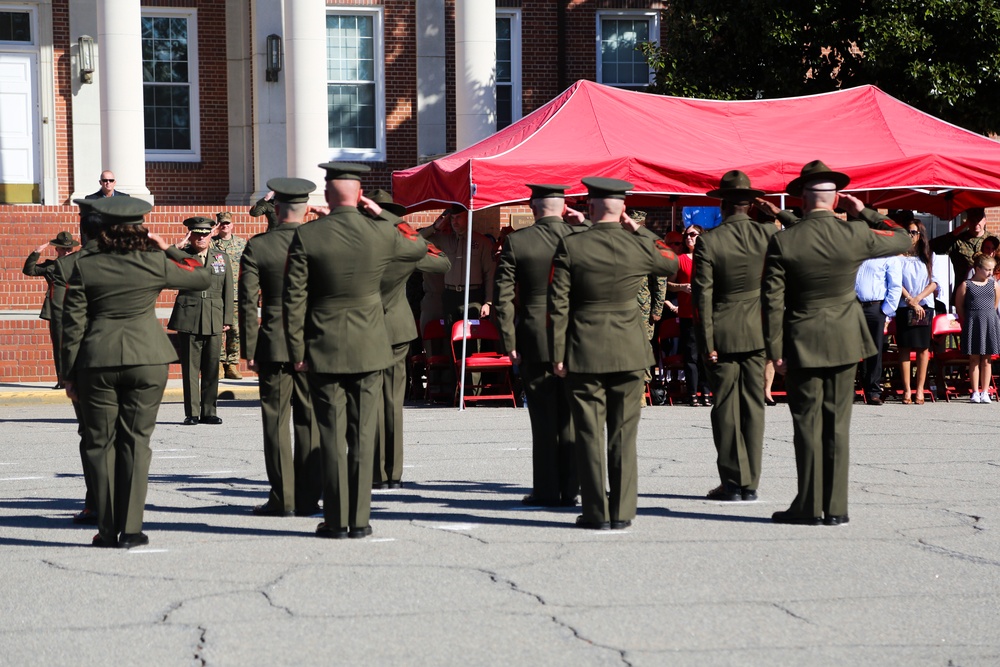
{"x":158,"y":240}
{"x":370,"y":206}
{"x":40,"y":249}
{"x":628,"y":223}
{"x":573,"y":216}
{"x":767,"y":207}
{"x":851,"y":204}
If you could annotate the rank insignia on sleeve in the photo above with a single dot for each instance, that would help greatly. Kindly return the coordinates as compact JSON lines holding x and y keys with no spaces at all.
{"x":407,"y":231}
{"x":883,"y":232}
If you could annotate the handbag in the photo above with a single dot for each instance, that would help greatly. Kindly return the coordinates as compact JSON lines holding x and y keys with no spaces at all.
{"x":914,"y":321}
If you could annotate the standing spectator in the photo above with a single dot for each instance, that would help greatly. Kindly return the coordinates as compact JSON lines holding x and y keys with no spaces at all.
{"x":694,"y":373}
{"x":962,"y":243}
{"x":482,"y":268}
{"x":107,"y":182}
{"x":916,"y":309}
{"x":116,"y":355}
{"x":294,"y":475}
{"x":200,"y":317}
{"x":599,"y":346}
{"x":878,"y":285}
{"x":233,"y":246}
{"x":977,"y":300}
{"x":815,"y":330}
{"x":65,"y":245}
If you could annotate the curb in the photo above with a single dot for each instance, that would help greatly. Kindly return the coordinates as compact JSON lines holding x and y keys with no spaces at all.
{"x":227,"y":392}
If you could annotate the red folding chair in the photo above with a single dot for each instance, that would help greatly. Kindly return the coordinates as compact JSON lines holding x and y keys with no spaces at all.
{"x":485,"y":363}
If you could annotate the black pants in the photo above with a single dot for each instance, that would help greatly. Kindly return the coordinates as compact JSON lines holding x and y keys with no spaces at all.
{"x":871,"y":368}
{"x":694,"y":372}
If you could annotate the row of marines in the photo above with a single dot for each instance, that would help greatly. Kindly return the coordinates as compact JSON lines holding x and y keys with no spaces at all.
{"x":325,"y":337}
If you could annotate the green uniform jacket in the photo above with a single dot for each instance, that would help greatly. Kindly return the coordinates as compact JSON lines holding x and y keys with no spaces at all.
{"x":812,"y":317}
{"x":399,"y":322}
{"x":262,"y":272}
{"x":725,"y":288}
{"x":206,"y":312}
{"x":109,"y":316}
{"x":523,"y":277}
{"x":596,"y":323}
{"x":46,"y":270}
{"x":334,"y":317}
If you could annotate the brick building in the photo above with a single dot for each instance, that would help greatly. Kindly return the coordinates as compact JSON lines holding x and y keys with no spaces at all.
{"x":195,"y":104}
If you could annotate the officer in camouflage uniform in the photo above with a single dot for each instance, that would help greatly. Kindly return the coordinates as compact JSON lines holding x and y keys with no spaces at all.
{"x":233,"y":246}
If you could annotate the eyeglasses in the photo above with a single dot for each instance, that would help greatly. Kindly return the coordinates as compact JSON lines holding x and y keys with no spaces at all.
{"x":692,"y":234}
{"x":913,"y":232}
{"x":107,"y":180}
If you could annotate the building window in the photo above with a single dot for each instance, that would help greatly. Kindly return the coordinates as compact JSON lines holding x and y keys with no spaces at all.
{"x":355,"y":85}
{"x":169,"y":85}
{"x":15,"y":27}
{"x":508,"y":67}
{"x":619,"y":60}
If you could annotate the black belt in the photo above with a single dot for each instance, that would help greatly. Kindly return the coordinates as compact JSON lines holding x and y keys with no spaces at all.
{"x":870,"y":303}
{"x":461,"y":288}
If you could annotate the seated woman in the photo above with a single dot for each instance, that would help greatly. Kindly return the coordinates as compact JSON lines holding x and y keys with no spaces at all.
{"x":916,"y":310}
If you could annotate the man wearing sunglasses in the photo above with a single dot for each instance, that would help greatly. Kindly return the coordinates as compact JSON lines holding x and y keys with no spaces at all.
{"x":107,"y":182}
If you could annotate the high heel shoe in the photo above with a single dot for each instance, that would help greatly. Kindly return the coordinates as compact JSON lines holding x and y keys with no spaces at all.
{"x":770,"y":402}
{"x":906,"y":400}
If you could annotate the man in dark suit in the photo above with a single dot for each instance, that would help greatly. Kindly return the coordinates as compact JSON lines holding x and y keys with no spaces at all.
{"x":599,"y":345}
{"x":335,"y":325}
{"x":200,"y":317}
{"x":814,"y":328}
{"x":402,"y":330}
{"x":107,"y":189}
{"x":295,"y":477}
{"x":522,"y":293}
{"x":726,"y":293}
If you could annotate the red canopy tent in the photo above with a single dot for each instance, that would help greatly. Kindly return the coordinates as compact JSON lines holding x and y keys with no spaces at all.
{"x":675,"y":149}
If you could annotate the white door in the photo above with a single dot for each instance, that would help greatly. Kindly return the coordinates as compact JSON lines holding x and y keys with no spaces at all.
{"x":20,"y":176}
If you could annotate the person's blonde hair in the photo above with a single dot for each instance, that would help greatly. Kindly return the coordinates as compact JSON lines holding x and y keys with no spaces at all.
{"x":980,"y":259}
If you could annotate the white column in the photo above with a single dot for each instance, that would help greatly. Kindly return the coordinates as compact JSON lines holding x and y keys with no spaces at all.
{"x":122,"y":124}
{"x":270,"y":133}
{"x":305,"y":89}
{"x":86,"y":104}
{"x":475,"y":71}
{"x":239,"y":103}
{"x":431,"y":89}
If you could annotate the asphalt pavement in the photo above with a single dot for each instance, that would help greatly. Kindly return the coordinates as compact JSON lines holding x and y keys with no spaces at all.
{"x":458,"y":572}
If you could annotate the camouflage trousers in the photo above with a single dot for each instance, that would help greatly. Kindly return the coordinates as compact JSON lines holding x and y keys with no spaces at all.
{"x":231,"y":342}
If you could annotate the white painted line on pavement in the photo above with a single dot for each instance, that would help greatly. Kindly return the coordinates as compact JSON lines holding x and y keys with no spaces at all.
{"x":455,"y":526}
{"x":148,"y":551}
{"x":383,"y":539}
{"x":161,"y":458}
{"x":18,"y":479}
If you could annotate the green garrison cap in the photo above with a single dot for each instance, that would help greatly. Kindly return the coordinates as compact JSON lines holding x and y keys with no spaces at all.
{"x":547,"y":191}
{"x":344,"y":171}
{"x":291,"y":190}
{"x":384,"y":199}
{"x":735,"y":186}
{"x":199,"y":225}
{"x":816,"y":171}
{"x":122,"y":210}
{"x":606,"y":188}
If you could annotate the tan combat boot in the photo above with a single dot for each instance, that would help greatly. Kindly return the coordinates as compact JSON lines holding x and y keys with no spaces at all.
{"x":232,"y":372}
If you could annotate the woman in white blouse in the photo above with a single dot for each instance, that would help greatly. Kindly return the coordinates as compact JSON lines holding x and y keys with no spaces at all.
{"x":916,"y":310}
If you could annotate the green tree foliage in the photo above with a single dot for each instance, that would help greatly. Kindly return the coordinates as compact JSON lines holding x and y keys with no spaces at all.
{"x":941,"y":56}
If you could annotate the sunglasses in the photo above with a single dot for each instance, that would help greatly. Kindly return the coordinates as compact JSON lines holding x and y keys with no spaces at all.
{"x":107,"y":180}
{"x":693,"y":234}
{"x":913,"y":232}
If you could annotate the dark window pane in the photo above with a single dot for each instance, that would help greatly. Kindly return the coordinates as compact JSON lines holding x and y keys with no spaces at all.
{"x":182,"y":140}
{"x":15,"y":27}
{"x":147,"y":27}
{"x":180,"y":72}
{"x":147,"y":72}
{"x":161,"y":117}
{"x":505,"y":110}
{"x":163,"y":72}
{"x":178,"y":29}
{"x":181,"y":96}
{"x":180,"y":119}
{"x":150,"y":139}
{"x":163,"y":140}
{"x":161,"y":27}
{"x":161,"y":96}
{"x":179,"y":50}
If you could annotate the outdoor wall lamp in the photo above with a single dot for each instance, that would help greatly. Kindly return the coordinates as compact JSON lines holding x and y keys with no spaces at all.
{"x":273,"y":57}
{"x":86,"y":58}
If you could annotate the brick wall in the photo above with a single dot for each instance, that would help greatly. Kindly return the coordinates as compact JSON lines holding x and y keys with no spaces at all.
{"x":63,"y":76}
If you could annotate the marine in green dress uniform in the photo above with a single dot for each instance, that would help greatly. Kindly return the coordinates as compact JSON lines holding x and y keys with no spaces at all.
{"x":295,"y":475}
{"x":599,"y":345}
{"x":725,"y":289}
{"x":402,"y":330}
{"x":335,"y":324}
{"x":522,"y":313}
{"x":64,"y":243}
{"x":116,"y":354}
{"x":815,"y":329}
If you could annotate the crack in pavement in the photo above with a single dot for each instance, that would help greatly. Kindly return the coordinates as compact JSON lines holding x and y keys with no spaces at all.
{"x":199,"y":658}
{"x":791,"y":613}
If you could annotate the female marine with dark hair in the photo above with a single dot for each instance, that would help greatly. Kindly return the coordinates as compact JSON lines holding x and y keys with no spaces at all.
{"x":116,"y":354}
{"x":916,"y":310}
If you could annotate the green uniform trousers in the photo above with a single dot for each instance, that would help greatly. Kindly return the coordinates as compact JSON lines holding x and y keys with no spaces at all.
{"x":388,"y":458}
{"x":346,"y":409}
{"x":119,"y":407}
{"x":55,"y":335}
{"x":553,"y":461}
{"x":200,"y":373}
{"x":88,"y":473}
{"x":230,"y":346}
{"x":820,"y":400}
{"x":610,"y":399}
{"x":295,"y":475}
{"x":738,"y":416}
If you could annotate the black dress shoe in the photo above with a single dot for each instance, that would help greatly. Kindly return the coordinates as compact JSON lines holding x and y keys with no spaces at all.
{"x":358,"y":533}
{"x":86,"y":515}
{"x":568,"y":501}
{"x":592,"y":525}
{"x":834,"y":520}
{"x":724,"y":492}
{"x":190,"y":421}
{"x":788,"y":517}
{"x":267,"y":509}
{"x":129,"y":540}
{"x":874,"y":400}
{"x":99,"y":541}
{"x":395,"y":484}
{"x":308,"y":511}
{"x":531,"y":500}
{"x":215,"y":420}
{"x":748,"y":495}
{"x":330,"y":533}
{"x":620,"y":525}
{"x":59,"y":385}
{"x":376,"y":486}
